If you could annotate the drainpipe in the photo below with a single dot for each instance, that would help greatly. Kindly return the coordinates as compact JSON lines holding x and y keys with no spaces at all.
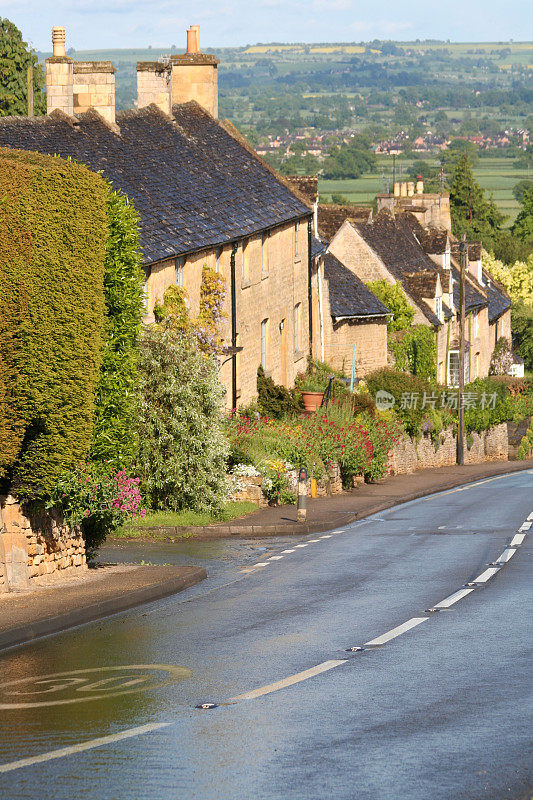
{"x":233,"y":329}
{"x":309,"y":287}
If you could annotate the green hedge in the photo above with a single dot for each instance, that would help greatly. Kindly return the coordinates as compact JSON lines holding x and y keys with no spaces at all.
{"x":53,"y":233}
{"x":116,"y":401}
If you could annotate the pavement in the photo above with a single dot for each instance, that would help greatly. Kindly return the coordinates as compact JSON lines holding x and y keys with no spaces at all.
{"x":327,"y":513}
{"x":87,"y":596}
{"x":318,"y":670}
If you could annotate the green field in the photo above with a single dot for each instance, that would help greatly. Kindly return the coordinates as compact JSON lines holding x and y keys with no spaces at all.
{"x":496,"y":175}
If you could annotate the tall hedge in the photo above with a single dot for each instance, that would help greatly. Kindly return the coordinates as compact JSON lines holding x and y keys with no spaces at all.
{"x":53,"y":233}
{"x":116,"y":401}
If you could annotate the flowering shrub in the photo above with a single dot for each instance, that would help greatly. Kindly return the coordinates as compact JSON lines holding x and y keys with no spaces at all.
{"x":238,"y":472}
{"x":357,"y":441}
{"x":502,"y":357}
{"x":97,"y":501}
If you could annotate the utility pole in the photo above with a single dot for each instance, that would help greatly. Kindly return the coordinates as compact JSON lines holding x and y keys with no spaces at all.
{"x":30,"y":90}
{"x":463,"y":249}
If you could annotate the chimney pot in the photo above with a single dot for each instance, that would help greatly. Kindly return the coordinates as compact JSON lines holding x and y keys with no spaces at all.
{"x":58,"y":41}
{"x":193,"y":39}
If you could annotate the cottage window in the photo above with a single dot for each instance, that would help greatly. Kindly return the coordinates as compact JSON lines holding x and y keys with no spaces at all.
{"x":264,"y":344}
{"x":179,"y":269}
{"x":244,"y":256}
{"x":297,"y":327}
{"x":453,"y":368}
{"x":218,"y":253}
{"x":438,"y":307}
{"x":296,"y":235}
{"x":264,"y":254}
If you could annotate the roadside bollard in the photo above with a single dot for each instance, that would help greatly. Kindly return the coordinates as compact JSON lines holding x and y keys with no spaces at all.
{"x":301,"y":503}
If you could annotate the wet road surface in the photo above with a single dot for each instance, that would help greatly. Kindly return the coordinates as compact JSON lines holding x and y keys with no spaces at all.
{"x":437,"y":705}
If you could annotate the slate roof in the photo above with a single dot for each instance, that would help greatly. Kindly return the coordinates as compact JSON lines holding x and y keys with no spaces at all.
{"x":474,"y":297}
{"x":306,"y":185}
{"x":317,"y":247}
{"x":331,"y":217}
{"x":195,"y":183}
{"x":403,"y":256}
{"x":474,"y":250}
{"x":499,"y":300}
{"x":348,"y":295}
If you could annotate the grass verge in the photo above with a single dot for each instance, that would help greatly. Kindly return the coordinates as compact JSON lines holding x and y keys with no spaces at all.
{"x":176,"y":519}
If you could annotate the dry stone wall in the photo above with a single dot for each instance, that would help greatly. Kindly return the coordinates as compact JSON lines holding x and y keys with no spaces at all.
{"x":410,"y":455}
{"x":33,"y":543}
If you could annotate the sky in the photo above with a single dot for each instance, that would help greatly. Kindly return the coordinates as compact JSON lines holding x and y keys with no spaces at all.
{"x":101,"y":24}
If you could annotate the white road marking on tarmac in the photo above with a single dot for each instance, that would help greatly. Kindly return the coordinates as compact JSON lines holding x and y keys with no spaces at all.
{"x":531,"y":516}
{"x":525,"y":526}
{"x":518,"y":538}
{"x":392,"y":634}
{"x":453,"y":598}
{"x":327,"y":536}
{"x":275,"y":558}
{"x":313,"y":540}
{"x":80,"y":748}
{"x":301,"y":545}
{"x":487,"y":575}
{"x":287,"y":551}
{"x":297,"y":678}
{"x":261,"y":564}
{"x":507,"y":554}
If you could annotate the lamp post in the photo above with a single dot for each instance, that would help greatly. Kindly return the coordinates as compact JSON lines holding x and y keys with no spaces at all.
{"x":463,"y":250}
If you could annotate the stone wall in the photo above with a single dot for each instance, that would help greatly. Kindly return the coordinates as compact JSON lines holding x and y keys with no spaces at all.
{"x":34,"y":543}
{"x":409,"y":455}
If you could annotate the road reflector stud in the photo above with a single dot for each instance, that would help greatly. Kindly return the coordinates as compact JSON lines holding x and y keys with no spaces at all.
{"x":206,"y":706}
{"x":432,"y":610}
{"x":355,"y":650}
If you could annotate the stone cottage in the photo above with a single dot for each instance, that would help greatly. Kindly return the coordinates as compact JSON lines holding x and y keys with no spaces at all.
{"x":349,"y":322}
{"x":203,"y":195}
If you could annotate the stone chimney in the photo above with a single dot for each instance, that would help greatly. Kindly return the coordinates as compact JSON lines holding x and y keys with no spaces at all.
{"x":94,"y":87}
{"x":153,"y":85}
{"x":59,"y":76}
{"x":194,"y":75}
{"x":420,"y":185}
{"x":410,"y":189}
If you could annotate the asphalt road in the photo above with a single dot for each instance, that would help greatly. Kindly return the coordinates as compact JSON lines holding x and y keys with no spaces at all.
{"x":436,"y":707}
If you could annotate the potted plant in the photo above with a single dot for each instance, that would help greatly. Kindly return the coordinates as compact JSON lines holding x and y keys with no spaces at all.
{"x":312,"y":388}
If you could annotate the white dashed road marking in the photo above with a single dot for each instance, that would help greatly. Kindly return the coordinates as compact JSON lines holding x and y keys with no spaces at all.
{"x":507,"y":554}
{"x":487,"y":575}
{"x":275,"y":558}
{"x":517,"y":539}
{"x":287,"y":551}
{"x":302,"y":545}
{"x":300,"y":676}
{"x":392,"y":634}
{"x":525,"y":526}
{"x":453,"y":598}
{"x":80,"y":748}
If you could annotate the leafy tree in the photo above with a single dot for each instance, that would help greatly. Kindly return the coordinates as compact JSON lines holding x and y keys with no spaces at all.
{"x":471,"y":213}
{"x":415,"y":351}
{"x":520,"y":188}
{"x":116,"y":392}
{"x":517,"y":279}
{"x":395,"y":299}
{"x":183,"y":449}
{"x":457,"y":150}
{"x":15,"y":58}
{"x":523,"y":225}
{"x":522,"y":327}
{"x":350,"y":160}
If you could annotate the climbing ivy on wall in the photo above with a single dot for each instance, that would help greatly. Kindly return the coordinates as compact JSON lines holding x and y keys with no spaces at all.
{"x":53,"y":234}
{"x":415,"y":351}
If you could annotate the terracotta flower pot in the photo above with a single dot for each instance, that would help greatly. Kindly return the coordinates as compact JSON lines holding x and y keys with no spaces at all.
{"x":312,"y":400}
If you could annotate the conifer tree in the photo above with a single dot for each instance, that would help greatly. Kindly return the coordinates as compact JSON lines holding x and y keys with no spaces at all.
{"x":471,"y":212}
{"x":15,"y":58}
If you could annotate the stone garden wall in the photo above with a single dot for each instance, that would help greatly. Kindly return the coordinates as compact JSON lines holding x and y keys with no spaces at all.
{"x":409,"y":455}
{"x":34,"y":543}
